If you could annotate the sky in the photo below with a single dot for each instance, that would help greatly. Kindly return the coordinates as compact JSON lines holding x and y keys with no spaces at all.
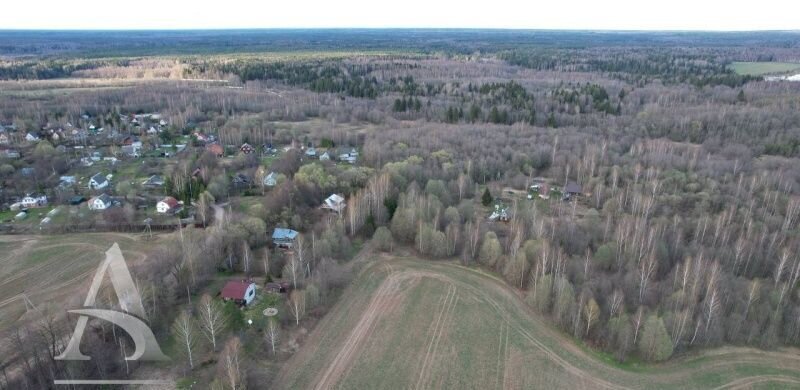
{"x":516,"y":14}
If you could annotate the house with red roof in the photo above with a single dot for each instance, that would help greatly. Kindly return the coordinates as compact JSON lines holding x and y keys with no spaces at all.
{"x":239,"y":291}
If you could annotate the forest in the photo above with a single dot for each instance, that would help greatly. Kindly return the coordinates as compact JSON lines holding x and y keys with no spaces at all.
{"x":683,"y":234}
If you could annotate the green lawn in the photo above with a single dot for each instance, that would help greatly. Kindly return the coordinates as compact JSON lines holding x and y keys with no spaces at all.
{"x":764,"y":68}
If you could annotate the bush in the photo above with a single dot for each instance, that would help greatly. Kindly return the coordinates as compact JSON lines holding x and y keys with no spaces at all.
{"x":383,"y":239}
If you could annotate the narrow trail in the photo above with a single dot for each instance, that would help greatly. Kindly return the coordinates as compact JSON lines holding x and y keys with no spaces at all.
{"x":447,"y":304}
{"x":748,"y":382}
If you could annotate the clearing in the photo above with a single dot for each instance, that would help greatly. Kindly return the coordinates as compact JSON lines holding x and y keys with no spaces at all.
{"x":764,"y":68}
{"x":406,"y":323}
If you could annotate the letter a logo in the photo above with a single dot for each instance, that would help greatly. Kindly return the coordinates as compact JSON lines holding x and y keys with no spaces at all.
{"x":130,"y":301}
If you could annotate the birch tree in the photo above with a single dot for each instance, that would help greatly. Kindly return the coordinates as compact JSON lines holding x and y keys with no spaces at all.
{"x":272,"y":333}
{"x":297,"y":305}
{"x":184,"y":331}
{"x":212,"y":319}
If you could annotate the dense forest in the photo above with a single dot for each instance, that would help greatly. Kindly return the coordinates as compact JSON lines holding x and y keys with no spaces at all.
{"x":684,"y":233}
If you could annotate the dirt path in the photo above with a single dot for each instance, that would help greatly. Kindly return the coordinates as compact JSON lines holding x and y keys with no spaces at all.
{"x":748,"y":382}
{"x":447,"y":304}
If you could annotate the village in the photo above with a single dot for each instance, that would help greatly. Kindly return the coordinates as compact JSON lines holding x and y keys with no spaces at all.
{"x":88,"y":178}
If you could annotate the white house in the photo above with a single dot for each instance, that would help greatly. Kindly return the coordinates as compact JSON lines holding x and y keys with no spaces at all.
{"x":31,"y":138}
{"x":34,"y":200}
{"x":334,"y":202}
{"x":101,"y":202}
{"x":98,"y":182}
{"x":167,"y":205}
{"x":325,"y":157}
{"x":4,"y":140}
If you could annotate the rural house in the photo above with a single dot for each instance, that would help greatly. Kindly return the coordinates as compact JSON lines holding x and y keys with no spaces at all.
{"x":67,"y":181}
{"x":334,"y":202}
{"x":241,"y":292}
{"x":247,"y":148}
{"x":34,"y":200}
{"x":4,"y":139}
{"x":168,"y":205}
{"x":101,"y":202}
{"x":284,"y":238}
{"x":131,"y":150}
{"x":572,"y":189}
{"x":98,"y":182}
{"x":325,"y":157}
{"x":311,"y":152}
{"x":349,"y":156}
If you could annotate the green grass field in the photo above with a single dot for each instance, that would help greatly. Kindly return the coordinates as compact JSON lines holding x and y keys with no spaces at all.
{"x":764,"y":68}
{"x":406,"y":323}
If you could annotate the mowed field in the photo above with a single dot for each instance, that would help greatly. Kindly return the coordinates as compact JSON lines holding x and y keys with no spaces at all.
{"x":54,"y":270}
{"x":411,"y":324}
{"x":764,"y":68}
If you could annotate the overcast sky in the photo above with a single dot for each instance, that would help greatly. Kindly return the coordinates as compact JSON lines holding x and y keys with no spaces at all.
{"x":534,"y":14}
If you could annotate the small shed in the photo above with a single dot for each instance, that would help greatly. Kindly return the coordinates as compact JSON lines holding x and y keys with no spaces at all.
{"x":277,"y":288}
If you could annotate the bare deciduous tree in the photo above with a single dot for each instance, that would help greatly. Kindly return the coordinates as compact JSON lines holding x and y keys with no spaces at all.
{"x":184,"y":331}
{"x":212,"y":319}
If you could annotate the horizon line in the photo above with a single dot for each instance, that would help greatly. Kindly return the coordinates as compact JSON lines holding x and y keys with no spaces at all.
{"x":518,"y":29}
